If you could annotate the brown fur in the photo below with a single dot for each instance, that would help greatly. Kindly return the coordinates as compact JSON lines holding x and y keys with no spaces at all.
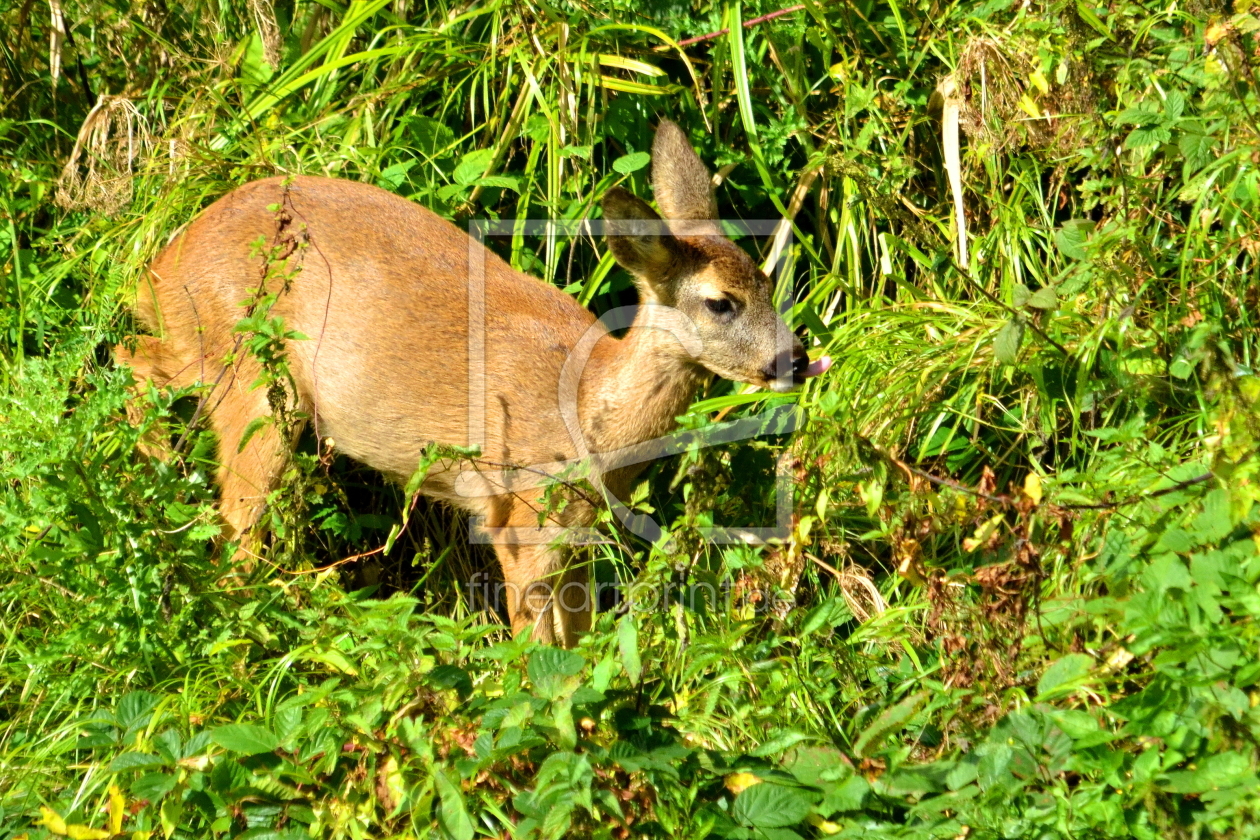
{"x":380,"y":289}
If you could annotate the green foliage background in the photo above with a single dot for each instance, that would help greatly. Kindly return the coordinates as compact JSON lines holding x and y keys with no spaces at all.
{"x":1021,"y":591}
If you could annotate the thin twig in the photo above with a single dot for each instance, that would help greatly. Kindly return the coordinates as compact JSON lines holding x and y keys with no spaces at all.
{"x":710,"y":36}
{"x":943,"y":482}
{"x":1137,"y":497}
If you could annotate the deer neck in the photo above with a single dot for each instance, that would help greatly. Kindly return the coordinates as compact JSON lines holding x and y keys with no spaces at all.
{"x":634,"y":387}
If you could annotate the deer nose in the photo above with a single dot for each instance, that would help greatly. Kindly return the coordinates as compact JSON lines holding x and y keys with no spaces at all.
{"x":794,"y":362}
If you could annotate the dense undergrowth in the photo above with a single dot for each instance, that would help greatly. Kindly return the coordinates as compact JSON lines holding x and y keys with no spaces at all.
{"x":1020,"y":597}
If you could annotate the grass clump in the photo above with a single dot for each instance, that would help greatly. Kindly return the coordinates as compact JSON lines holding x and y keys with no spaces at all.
{"x":1019,"y":597}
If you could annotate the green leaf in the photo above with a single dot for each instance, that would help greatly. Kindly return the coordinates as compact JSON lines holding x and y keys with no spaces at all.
{"x":451,"y":676}
{"x":1006,"y":343}
{"x":1181,"y":369}
{"x":1138,"y":116}
{"x":779,"y":743}
{"x":769,"y":805}
{"x":1174,"y":107}
{"x":1044,"y":298}
{"x":1071,"y":238}
{"x":504,"y":181}
{"x":427,"y":135}
{"x":628,"y":646}
{"x":551,"y":662}
{"x":472,"y":166}
{"x":454,"y":813}
{"x":1064,"y":674}
{"x":255,"y":71}
{"x":245,"y":738}
{"x":133,"y":760}
{"x":1214,"y":522}
{"x":889,"y":721}
{"x":251,"y":429}
{"x":846,"y":796}
{"x":814,"y":765}
{"x":562,"y":720}
{"x":1196,"y":148}
{"x":1089,"y":16}
{"x":632,"y":162}
{"x":1020,"y":295}
{"x":153,"y":786}
{"x":1141,"y":138}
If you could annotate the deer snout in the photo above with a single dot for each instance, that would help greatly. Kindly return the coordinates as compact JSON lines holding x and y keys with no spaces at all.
{"x":781,"y":373}
{"x":792,"y":367}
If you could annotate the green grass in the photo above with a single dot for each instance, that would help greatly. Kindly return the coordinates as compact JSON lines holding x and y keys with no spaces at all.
{"x":1020,"y":597}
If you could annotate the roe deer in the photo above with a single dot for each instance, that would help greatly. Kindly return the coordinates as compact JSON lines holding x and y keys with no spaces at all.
{"x":380,"y":289}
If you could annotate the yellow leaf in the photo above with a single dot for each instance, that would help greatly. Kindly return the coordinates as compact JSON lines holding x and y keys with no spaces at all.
{"x":1029,"y":107}
{"x":117,"y":809}
{"x":1039,"y":81}
{"x":85,"y":832}
{"x":825,"y":826}
{"x":624,"y":63}
{"x":983,"y":533}
{"x":737,"y":783}
{"x":51,"y":820}
{"x":1032,"y":487}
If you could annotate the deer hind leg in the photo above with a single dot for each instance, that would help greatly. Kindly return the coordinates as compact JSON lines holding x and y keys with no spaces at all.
{"x":544,"y":594}
{"x":249,"y":469}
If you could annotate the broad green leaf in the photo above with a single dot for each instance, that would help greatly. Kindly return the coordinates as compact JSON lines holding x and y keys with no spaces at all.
{"x":1064,"y":674}
{"x":1174,"y":106}
{"x":549,"y":662}
{"x":1006,"y":343}
{"x":632,"y":162}
{"x":133,"y":760}
{"x":451,"y":676}
{"x":1141,"y":138}
{"x":503,"y":181}
{"x":780,"y":742}
{"x":135,"y":709}
{"x":1071,"y":238}
{"x":245,"y":738}
{"x":815,"y":765}
{"x":454,"y":813}
{"x":562,"y":720}
{"x":153,"y":786}
{"x":1020,"y":295}
{"x":770,"y":806}
{"x":1044,"y":298}
{"x":1214,"y":522}
{"x":255,"y":70}
{"x":845,"y":796}
{"x":1138,"y":116}
{"x":1196,"y":147}
{"x":472,"y":166}
{"x":628,"y":646}
{"x":427,"y":135}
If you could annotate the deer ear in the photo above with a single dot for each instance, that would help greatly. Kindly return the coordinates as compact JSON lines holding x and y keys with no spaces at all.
{"x":639,"y":239}
{"x":683,"y":186}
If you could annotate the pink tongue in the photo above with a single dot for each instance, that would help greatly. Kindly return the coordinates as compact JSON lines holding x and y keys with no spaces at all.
{"x":818,"y":366}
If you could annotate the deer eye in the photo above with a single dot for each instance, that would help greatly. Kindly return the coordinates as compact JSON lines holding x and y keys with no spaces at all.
{"x":719,"y":306}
